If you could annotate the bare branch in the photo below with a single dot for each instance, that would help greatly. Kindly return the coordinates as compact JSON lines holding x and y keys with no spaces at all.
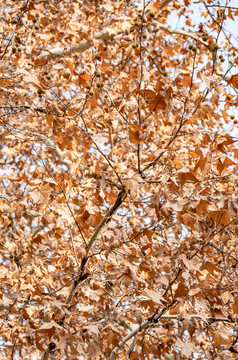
{"x":148,"y":323}
{"x":79,"y":48}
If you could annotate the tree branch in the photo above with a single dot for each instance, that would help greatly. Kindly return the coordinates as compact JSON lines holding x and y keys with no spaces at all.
{"x":81,"y":275}
{"x":154,"y":320}
{"x":84,"y":45}
{"x":107,"y":34}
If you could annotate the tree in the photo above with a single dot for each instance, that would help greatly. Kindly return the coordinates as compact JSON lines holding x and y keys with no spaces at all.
{"x":118,"y":197}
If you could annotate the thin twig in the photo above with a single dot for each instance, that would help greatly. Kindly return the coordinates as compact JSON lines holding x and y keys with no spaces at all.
{"x":72,"y":242}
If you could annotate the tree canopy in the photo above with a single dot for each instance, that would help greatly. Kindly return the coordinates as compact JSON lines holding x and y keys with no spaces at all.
{"x":118,"y":194}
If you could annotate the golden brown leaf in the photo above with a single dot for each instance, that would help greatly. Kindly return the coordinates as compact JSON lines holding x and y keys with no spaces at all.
{"x":233,"y":81}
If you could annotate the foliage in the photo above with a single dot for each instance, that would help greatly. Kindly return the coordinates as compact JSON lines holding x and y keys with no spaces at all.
{"x":119,"y":217}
